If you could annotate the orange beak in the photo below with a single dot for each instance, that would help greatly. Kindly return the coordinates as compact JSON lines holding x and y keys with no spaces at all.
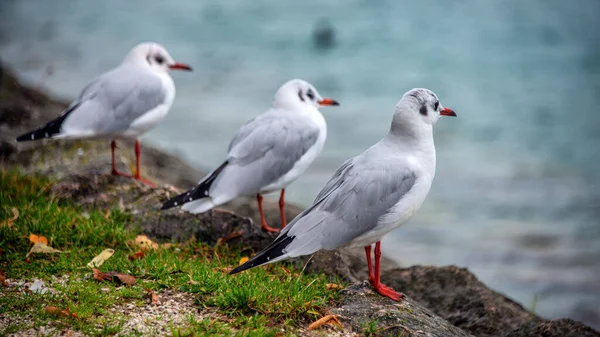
{"x":448,"y":112}
{"x":328,"y":101}
{"x":180,"y":66}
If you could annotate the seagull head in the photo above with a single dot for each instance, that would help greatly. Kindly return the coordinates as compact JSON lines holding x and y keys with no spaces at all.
{"x":154,"y":56}
{"x":298,"y":93}
{"x":418,"y":109}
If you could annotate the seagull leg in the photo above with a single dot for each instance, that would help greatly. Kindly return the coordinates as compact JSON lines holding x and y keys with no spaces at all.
{"x":114,"y":172}
{"x":379,"y":287}
{"x":138,"y":175}
{"x":368,"y":253}
{"x":282,"y":208}
{"x":263,"y":221}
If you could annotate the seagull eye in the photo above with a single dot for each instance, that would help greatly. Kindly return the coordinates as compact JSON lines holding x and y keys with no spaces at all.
{"x":159,"y":59}
{"x":310,"y":95}
{"x":436,"y":105}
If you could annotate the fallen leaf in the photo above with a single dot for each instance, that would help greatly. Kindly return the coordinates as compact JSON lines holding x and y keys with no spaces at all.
{"x":39,"y":287}
{"x":333,"y":286}
{"x":44,"y":249}
{"x":136,"y":256}
{"x":9,"y":222}
{"x":145,"y":243}
{"x":3,"y":278}
{"x":232,"y":235}
{"x":100,"y":258}
{"x":324,"y":320}
{"x":243,"y":260}
{"x":52,"y":310}
{"x":115,"y":276}
{"x":37,"y":239}
{"x":191,"y":281}
{"x":153,"y":296}
{"x":56,"y":311}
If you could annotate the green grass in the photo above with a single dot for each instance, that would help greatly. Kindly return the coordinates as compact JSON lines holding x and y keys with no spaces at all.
{"x":259,"y":302}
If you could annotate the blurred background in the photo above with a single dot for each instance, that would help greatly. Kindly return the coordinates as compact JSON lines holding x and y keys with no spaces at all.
{"x":516,"y":198}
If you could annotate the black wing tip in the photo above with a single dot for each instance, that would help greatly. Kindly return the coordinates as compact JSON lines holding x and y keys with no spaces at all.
{"x":168,"y":204}
{"x":273,"y":251}
{"x":29,"y":136}
{"x":178,"y":200}
{"x":241,"y":268}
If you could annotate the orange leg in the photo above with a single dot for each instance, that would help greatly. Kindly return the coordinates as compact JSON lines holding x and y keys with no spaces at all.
{"x":113,"y":146}
{"x":376,"y":282}
{"x":263,"y":221}
{"x":368,"y":253}
{"x":138,"y":175}
{"x":282,"y":208}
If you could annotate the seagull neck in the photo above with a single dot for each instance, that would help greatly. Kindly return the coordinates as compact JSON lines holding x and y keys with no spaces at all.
{"x":419,"y":138}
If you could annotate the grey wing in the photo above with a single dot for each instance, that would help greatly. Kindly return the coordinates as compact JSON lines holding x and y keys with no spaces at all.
{"x":349,"y":206}
{"x":264,"y":150}
{"x":114,"y":100}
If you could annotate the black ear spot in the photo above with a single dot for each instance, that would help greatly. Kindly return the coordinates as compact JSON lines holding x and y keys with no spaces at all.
{"x":423,"y":110}
{"x":300,"y":95}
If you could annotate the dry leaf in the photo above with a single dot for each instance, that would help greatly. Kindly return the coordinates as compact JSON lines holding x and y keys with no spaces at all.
{"x":191,"y":281}
{"x":333,"y":286}
{"x":120,"y":278}
{"x":35,"y":239}
{"x":231,"y":236}
{"x":44,"y":249}
{"x":243,"y":260}
{"x":100,"y":258}
{"x":145,"y":243}
{"x":153,"y":296}
{"x":3,"y":278}
{"x":324,"y":320}
{"x":9,"y":222}
{"x":136,"y":256}
{"x":56,"y":311}
{"x":52,"y":310}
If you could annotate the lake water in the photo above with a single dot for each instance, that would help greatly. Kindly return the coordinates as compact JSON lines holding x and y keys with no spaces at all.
{"x":516,"y":196}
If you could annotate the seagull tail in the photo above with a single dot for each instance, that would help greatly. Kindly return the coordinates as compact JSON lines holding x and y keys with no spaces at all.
{"x":273,"y":253}
{"x":50,"y":130}
{"x":196,"y":193}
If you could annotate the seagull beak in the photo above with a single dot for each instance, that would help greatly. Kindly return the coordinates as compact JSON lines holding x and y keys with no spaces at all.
{"x":448,"y":112}
{"x":180,"y":66}
{"x":328,"y":101}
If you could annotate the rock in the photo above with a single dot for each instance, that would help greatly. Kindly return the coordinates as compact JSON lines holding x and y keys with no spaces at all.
{"x":458,"y":296}
{"x":556,"y":328}
{"x":105,"y":192}
{"x":360,"y":305}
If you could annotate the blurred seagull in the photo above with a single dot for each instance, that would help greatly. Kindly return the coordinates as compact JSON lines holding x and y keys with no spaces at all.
{"x":369,"y":195}
{"x":124,"y":102}
{"x":267,"y":153}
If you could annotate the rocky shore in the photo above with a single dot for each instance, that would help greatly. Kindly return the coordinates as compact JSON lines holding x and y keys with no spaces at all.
{"x":440,"y":301}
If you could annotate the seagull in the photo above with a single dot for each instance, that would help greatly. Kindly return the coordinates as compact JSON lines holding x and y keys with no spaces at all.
{"x":124,"y":102}
{"x":268,"y":153}
{"x":370,"y":194}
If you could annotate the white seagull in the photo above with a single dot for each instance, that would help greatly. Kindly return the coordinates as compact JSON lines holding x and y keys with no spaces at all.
{"x":369,"y":195}
{"x":124,"y":102}
{"x":267,"y":153}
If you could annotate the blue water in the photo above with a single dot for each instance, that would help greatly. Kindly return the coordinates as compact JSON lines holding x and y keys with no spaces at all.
{"x":516,"y":197}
